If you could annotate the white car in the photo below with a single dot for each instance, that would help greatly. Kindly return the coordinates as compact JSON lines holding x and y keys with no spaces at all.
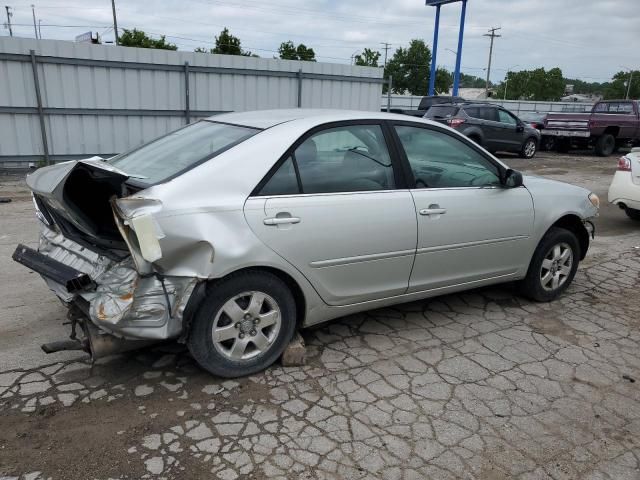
{"x":625,"y":187}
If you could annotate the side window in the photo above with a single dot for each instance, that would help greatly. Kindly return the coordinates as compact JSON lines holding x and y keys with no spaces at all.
{"x":473,"y":112}
{"x":439,"y":160}
{"x":488,"y":113}
{"x":283,"y":181}
{"x":345,"y":159}
{"x":506,"y":117}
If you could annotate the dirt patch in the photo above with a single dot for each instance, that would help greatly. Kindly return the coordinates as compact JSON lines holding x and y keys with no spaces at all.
{"x":547,"y":325}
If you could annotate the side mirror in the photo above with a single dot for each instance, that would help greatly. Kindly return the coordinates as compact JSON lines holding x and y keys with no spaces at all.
{"x":512,"y":179}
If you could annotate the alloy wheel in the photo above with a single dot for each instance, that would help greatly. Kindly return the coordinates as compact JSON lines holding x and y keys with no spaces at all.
{"x":556,"y":266}
{"x":530,"y":148}
{"x":246,"y":326}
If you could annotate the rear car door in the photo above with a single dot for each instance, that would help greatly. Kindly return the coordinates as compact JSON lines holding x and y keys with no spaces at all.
{"x":332,"y":208}
{"x":470,"y":227}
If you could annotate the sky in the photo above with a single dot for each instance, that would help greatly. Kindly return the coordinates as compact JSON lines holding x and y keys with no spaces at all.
{"x":587,"y":39}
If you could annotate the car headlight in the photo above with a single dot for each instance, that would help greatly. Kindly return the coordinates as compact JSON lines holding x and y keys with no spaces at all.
{"x":594,"y":199}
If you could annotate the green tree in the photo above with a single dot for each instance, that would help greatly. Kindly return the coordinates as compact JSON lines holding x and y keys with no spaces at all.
{"x":617,"y":88}
{"x":538,"y":84}
{"x":228,"y":44}
{"x":137,"y":38}
{"x":368,"y":58}
{"x":409,"y":68}
{"x":471,"y":81}
{"x":444,"y":81}
{"x":289,"y":51}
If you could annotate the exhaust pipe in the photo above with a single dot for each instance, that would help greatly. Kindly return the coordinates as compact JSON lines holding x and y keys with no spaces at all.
{"x":96,"y":343}
{"x":104,"y":344}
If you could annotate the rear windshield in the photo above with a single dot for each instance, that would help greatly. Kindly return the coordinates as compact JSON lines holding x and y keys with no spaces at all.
{"x":180,"y":151}
{"x":442,"y":111}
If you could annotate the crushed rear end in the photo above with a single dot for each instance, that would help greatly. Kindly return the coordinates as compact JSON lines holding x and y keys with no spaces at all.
{"x":97,"y":244}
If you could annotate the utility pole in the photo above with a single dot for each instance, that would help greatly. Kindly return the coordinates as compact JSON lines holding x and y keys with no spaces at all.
{"x":115,"y":21}
{"x":492,"y":34}
{"x":629,"y":84}
{"x":9,"y":15}
{"x":33,"y":12}
{"x":39,"y":29}
{"x":386,"y":49}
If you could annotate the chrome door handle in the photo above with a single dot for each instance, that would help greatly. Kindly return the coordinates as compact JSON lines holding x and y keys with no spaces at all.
{"x":433,"y":211}
{"x":281,"y":220}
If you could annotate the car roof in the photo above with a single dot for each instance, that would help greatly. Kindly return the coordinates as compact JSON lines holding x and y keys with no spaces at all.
{"x":269,"y":118}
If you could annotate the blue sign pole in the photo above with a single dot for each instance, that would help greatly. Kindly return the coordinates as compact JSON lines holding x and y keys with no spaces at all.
{"x":456,"y":75}
{"x":434,"y":53}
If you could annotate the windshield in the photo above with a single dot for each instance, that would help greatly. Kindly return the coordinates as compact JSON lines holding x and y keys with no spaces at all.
{"x":179,"y":151}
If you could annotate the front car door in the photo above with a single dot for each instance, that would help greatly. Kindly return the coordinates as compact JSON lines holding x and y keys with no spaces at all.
{"x":470,"y":227}
{"x":511,"y":132}
{"x":332,"y":208}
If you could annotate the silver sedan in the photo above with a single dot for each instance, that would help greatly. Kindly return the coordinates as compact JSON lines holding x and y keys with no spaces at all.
{"x":232,"y":232}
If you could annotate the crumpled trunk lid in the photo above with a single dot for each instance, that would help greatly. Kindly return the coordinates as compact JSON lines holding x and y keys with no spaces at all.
{"x":76,"y":196}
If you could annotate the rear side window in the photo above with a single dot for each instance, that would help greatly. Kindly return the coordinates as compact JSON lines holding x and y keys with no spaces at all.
{"x":473,"y":112}
{"x":283,"y":181}
{"x":488,"y":113}
{"x":352,"y":158}
{"x":442,"y":111}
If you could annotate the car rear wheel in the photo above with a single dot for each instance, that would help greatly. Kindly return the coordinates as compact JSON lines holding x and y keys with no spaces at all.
{"x":547,"y":143}
{"x":529,"y":148}
{"x":605,"y":145}
{"x":553,"y":266}
{"x":632,"y":213}
{"x":243,"y":325}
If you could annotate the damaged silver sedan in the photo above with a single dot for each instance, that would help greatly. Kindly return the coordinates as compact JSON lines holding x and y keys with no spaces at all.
{"x":232,"y":232}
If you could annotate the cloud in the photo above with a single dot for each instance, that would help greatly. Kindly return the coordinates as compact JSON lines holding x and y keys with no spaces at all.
{"x":588,"y":39}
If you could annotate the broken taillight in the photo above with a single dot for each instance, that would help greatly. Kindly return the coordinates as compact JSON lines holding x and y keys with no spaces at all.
{"x":624,"y":164}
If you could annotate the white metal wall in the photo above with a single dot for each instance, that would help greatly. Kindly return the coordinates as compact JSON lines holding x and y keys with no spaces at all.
{"x":411,"y":102}
{"x":106,"y":109}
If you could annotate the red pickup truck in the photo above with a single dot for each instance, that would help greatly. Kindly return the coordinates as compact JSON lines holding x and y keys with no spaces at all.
{"x":610,"y":124}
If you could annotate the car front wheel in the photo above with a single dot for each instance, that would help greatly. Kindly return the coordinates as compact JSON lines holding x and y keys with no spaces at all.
{"x":243,"y":325}
{"x":553,"y":266}
{"x":529,"y":148}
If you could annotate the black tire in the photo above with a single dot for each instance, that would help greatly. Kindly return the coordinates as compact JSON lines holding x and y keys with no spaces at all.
{"x":605,"y":145}
{"x":547,"y":143}
{"x":563,"y":145}
{"x":632,"y":213}
{"x":532,"y":285}
{"x":201,"y":343}
{"x":529,"y":148}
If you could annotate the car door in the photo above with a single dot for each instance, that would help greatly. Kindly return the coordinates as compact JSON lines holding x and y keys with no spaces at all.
{"x":470,"y":227}
{"x":491,"y":127}
{"x":332,"y":208}
{"x":510,"y":131}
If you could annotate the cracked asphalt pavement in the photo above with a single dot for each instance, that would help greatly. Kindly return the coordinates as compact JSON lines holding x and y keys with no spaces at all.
{"x":479,"y":385}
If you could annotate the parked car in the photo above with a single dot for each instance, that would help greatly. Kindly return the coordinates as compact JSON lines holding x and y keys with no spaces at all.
{"x":536,"y":120}
{"x":625,"y":187}
{"x":234,"y":231}
{"x":491,"y":126}
{"x":426,"y":103}
{"x":609,"y":125}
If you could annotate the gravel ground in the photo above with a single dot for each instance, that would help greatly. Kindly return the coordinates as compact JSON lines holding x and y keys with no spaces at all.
{"x":480,"y":385}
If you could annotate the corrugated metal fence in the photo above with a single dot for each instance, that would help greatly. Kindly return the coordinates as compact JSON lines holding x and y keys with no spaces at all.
{"x":411,"y":102}
{"x":61,"y":100}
